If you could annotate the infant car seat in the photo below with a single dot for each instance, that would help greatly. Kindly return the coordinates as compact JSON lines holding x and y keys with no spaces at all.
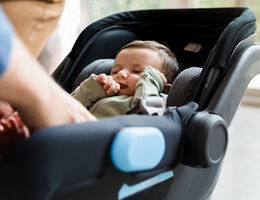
{"x":174,"y":156}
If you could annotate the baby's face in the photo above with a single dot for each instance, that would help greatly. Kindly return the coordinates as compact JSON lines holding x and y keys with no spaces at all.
{"x":129,"y":66}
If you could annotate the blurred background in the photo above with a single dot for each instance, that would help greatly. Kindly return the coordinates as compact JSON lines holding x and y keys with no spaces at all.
{"x":240,"y":177}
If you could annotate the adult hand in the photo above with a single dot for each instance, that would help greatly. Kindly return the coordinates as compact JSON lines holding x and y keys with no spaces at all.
{"x":5,"y":109}
{"x":12,"y":130}
{"x":39,"y":100}
{"x":57,"y":109}
{"x":10,"y":121}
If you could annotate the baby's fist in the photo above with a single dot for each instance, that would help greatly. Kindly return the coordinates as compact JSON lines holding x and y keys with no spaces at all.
{"x":109,"y":85}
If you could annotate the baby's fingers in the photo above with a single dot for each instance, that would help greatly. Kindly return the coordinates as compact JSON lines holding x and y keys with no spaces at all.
{"x":113,"y":89}
{"x":102,"y":79}
{"x":108,"y":82}
{"x":110,"y":90}
{"x":117,"y":88}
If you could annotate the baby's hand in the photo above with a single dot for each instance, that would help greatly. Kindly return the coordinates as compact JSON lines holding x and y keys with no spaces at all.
{"x":162,"y":77}
{"x":109,"y":85}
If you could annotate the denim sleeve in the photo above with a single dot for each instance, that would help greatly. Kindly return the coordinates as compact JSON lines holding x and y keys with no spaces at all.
{"x":6,"y":38}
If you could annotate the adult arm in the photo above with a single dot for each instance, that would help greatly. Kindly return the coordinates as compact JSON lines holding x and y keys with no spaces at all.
{"x":40,"y":101}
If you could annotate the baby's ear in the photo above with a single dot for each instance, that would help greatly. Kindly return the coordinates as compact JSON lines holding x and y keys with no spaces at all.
{"x":167,"y":88}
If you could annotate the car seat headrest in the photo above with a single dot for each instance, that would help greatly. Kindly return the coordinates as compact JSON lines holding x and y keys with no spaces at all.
{"x":180,"y":92}
{"x":96,"y":67}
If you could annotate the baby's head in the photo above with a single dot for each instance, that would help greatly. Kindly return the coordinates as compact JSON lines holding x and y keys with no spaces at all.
{"x":134,"y":57}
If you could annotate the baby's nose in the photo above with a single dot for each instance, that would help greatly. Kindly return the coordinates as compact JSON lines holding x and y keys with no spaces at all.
{"x":122,"y":74}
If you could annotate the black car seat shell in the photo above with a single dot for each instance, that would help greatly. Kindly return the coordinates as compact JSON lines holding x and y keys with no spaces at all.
{"x":73,"y":162}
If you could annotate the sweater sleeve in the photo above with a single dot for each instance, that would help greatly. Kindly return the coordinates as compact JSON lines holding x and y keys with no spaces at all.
{"x":89,"y":91}
{"x":6,"y":39}
{"x":150,"y":84}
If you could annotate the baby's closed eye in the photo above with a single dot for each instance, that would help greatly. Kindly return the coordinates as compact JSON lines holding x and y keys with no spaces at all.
{"x":138,"y":71}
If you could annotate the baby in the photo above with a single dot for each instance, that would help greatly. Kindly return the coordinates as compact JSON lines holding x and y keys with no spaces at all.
{"x":141,"y":68}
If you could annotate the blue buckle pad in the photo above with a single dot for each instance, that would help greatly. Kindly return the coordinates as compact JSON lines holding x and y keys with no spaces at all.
{"x":137,"y":148}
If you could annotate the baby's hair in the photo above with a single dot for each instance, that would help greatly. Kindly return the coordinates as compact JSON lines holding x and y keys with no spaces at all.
{"x":170,"y":63}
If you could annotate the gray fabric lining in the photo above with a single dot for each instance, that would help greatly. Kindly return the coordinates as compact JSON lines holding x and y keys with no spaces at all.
{"x":180,"y":91}
{"x":96,"y":67}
